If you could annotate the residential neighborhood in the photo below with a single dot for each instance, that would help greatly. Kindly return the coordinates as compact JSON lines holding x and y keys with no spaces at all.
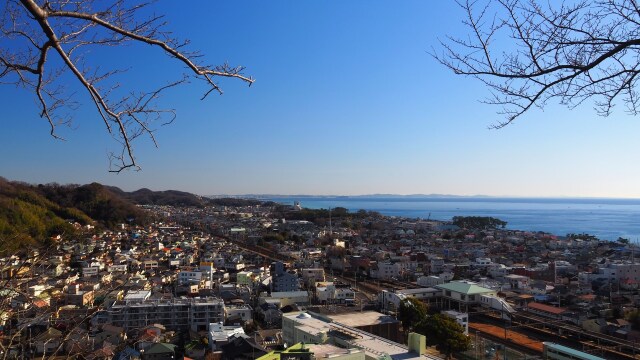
{"x":245,"y":283}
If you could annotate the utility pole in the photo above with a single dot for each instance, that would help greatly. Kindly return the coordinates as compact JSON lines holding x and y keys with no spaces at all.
{"x":330,"y":227}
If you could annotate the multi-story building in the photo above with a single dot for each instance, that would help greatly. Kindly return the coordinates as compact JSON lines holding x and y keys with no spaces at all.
{"x":283,"y":280}
{"x":190,"y":275}
{"x":387,"y":270}
{"x":308,"y":328}
{"x":175,"y":314}
{"x":616,"y":272}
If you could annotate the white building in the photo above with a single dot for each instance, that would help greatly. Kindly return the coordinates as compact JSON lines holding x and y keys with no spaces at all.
{"x":90,"y":271}
{"x":311,"y":328}
{"x":390,"y":300}
{"x":328,"y":292}
{"x":118,"y":268}
{"x":616,"y":272}
{"x":219,"y":334}
{"x":190,"y":276}
{"x":388,"y":270}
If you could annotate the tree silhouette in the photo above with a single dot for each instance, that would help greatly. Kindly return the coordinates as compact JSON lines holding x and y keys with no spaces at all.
{"x":530,"y":52}
{"x":44,"y":44}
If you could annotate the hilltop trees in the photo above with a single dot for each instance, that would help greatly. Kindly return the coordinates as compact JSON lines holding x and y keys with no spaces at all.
{"x":45,"y":46}
{"x":531,"y":52}
{"x":478,"y":222}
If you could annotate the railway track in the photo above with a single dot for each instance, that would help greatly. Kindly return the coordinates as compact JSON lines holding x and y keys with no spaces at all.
{"x":565,"y":334}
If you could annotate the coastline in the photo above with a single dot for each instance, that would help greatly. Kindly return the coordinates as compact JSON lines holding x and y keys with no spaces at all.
{"x":607,"y":219}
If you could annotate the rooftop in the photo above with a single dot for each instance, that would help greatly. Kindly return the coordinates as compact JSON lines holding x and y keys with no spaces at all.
{"x":364,"y":318}
{"x":568,"y":350}
{"x":464,"y":287}
{"x":373,"y":346}
{"x":547,"y":308}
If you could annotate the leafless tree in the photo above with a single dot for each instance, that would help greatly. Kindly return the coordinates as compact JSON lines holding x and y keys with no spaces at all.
{"x":45,"y":43}
{"x":529,"y":52}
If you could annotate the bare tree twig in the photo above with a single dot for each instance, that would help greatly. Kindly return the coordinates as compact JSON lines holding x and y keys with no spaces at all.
{"x":32,"y":29}
{"x":571,"y":52}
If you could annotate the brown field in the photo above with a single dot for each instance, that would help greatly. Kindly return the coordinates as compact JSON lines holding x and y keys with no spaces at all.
{"x":512,"y":336}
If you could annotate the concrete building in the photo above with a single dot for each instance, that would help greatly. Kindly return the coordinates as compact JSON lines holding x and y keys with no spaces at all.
{"x":175,"y":314}
{"x":190,"y":275}
{"x":283,"y":280}
{"x":308,"y":328}
{"x":334,"y":293}
{"x":615,"y":272}
{"x":291,"y":297}
{"x":390,"y":300}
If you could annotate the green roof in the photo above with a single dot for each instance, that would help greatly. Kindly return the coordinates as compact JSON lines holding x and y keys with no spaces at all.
{"x":464,"y":287}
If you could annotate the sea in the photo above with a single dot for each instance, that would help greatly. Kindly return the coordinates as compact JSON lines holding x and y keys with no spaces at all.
{"x":607,"y":219}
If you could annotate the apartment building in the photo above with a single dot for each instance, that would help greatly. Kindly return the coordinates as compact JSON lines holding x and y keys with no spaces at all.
{"x":178,"y":314}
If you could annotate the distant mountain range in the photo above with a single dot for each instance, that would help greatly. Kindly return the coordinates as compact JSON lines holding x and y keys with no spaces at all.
{"x":369,"y":196}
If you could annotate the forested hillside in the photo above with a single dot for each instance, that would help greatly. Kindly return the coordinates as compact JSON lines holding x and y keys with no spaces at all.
{"x":168,"y":197}
{"x":32,"y":214}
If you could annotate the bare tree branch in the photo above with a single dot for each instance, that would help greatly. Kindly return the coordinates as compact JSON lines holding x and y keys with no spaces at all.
{"x":532,"y":52}
{"x":33,"y":28}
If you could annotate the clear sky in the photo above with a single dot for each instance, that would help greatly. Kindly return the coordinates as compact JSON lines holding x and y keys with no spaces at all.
{"x":347,"y":100}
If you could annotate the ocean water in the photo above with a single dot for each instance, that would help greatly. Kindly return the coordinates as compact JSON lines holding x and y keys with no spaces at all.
{"x":607,"y":219}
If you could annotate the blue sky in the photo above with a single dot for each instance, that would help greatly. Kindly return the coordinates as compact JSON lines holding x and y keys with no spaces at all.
{"x":347,"y":100}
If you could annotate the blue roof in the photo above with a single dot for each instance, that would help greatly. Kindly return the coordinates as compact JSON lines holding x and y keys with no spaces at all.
{"x":570,"y":351}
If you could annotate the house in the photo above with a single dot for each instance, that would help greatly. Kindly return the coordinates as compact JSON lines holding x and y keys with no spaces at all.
{"x":159,"y":351}
{"x":220,"y":335}
{"x":269,"y":311}
{"x":47,"y":341}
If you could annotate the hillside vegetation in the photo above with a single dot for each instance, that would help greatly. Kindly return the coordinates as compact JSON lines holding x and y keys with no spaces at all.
{"x":168,"y":197}
{"x":31,"y":214}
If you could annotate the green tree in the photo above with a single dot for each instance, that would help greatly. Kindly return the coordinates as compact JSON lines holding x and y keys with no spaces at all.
{"x":411,"y":312}
{"x":478,"y":222}
{"x":443,"y":332}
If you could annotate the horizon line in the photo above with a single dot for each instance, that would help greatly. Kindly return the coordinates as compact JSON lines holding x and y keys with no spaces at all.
{"x":429,"y":196}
